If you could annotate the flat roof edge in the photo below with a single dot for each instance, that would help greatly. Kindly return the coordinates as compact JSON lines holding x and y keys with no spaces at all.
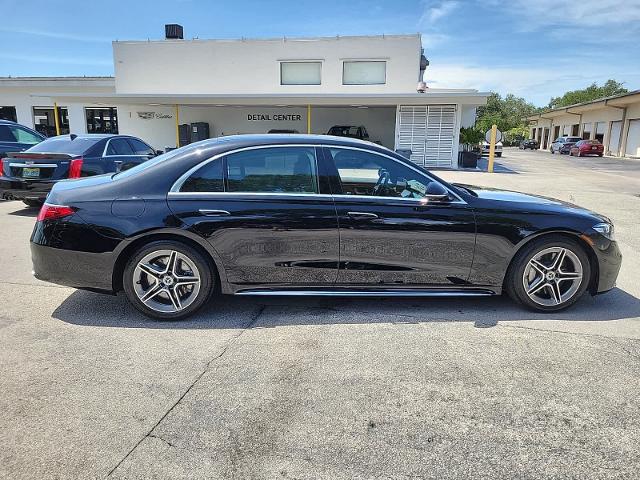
{"x":274,"y":39}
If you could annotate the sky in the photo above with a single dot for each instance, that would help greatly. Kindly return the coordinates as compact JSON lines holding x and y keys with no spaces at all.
{"x":536,"y":49}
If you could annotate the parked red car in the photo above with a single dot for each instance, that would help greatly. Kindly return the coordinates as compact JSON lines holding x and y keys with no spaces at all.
{"x":587,"y":147}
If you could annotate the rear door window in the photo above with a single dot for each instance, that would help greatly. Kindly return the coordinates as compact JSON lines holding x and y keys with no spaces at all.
{"x":119,"y":146}
{"x":273,"y":170}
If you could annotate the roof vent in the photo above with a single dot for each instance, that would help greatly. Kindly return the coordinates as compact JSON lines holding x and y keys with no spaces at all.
{"x":173,"y":31}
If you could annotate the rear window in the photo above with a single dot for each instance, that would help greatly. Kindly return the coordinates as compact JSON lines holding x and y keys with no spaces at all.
{"x":77,"y":146}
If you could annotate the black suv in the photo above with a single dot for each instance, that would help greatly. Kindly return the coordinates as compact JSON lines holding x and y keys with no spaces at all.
{"x":350,"y":131}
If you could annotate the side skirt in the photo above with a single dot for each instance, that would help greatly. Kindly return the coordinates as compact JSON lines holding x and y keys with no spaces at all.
{"x":343,"y":292}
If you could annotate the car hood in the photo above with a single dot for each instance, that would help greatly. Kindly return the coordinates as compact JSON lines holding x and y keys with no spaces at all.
{"x":527,"y":201}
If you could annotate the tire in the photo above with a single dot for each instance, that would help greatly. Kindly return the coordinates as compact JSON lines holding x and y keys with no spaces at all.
{"x":499,"y":154}
{"x":545,"y":250}
{"x":191,"y":281}
{"x":32,"y":203}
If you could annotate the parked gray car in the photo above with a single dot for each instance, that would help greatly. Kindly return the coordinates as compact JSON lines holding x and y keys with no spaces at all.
{"x":563,"y":144}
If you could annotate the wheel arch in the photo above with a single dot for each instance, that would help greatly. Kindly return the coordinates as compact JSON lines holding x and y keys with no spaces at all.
{"x":571,"y":235}
{"x":188,"y":238}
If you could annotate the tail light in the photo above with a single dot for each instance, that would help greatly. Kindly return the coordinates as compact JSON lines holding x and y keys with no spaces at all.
{"x":1,"y":166}
{"x":54,"y":212}
{"x":75,"y":168}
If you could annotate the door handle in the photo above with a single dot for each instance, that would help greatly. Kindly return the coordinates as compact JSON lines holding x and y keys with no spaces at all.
{"x":213,"y":213}
{"x":362,"y":215}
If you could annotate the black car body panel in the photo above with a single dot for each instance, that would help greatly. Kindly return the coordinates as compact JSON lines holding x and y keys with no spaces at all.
{"x":51,"y":162}
{"x":302,"y":241}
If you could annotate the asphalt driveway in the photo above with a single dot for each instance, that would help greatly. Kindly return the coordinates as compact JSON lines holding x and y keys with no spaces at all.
{"x":323,"y":388}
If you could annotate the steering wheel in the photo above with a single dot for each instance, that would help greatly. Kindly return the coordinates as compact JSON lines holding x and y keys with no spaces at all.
{"x":383,"y":180}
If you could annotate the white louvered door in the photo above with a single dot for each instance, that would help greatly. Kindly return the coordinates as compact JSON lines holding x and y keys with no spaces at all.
{"x":428,"y":131}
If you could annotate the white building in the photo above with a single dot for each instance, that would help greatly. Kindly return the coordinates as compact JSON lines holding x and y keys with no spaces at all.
{"x":253,"y":86}
{"x":614,"y":121}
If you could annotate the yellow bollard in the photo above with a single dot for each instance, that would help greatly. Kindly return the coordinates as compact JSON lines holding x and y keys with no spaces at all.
{"x":492,"y":146}
{"x":55,"y":117}
{"x":308,"y":118}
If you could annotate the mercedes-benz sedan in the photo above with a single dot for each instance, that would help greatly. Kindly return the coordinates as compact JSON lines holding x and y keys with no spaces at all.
{"x":312,"y":215}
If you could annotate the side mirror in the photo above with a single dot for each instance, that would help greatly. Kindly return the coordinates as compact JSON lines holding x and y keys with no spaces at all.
{"x":436,"y":192}
{"x":159,"y":152}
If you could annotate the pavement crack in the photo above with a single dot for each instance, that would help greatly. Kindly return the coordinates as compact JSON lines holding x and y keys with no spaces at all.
{"x":161,"y":439}
{"x":252,"y":321}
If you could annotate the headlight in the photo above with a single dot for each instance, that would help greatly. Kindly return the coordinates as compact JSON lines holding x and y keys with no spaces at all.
{"x":606,"y":230}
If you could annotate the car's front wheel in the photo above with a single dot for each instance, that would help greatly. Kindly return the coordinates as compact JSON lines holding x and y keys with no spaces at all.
{"x":549,"y":274}
{"x":168,"y":280}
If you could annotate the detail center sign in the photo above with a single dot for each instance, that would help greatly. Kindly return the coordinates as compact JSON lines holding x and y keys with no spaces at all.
{"x":278,"y":117}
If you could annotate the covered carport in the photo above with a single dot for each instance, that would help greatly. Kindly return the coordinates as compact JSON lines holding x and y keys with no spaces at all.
{"x":427,"y":124}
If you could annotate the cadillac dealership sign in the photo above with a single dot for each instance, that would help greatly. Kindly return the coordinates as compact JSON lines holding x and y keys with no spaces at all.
{"x":151,"y":115}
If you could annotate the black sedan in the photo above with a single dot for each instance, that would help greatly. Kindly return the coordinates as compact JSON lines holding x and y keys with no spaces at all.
{"x":312,"y":215}
{"x":530,"y":143}
{"x":29,"y":175}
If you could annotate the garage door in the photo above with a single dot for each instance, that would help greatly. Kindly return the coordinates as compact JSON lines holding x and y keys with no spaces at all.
{"x":633,"y":139}
{"x":614,"y":138}
{"x":428,"y":131}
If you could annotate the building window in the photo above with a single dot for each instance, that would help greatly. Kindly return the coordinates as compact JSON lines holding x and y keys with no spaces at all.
{"x":8,"y":113}
{"x":102,"y":120}
{"x":45,"y":123}
{"x":364,"y":72}
{"x":300,"y":73}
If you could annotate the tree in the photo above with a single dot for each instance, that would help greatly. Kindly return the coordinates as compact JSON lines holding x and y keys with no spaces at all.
{"x":592,"y":92}
{"x":507,"y":113}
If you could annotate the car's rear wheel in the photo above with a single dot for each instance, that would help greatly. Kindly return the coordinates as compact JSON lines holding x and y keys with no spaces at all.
{"x":168,"y":280}
{"x":549,"y":274}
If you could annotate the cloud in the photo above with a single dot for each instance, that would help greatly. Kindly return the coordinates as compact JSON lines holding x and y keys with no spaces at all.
{"x":432,"y":13}
{"x":536,"y":84}
{"x":574,"y":16}
{"x":57,"y":35}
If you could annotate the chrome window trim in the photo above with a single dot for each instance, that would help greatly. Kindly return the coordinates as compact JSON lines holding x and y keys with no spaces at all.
{"x":175,"y":188}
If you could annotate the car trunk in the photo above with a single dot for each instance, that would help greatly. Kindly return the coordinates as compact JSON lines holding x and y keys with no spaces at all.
{"x":38,"y":166}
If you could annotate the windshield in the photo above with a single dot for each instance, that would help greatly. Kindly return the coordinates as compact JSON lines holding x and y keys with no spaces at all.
{"x":77,"y":146}
{"x":573,"y":139}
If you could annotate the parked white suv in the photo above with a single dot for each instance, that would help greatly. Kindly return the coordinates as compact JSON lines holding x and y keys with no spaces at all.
{"x":484,"y":148}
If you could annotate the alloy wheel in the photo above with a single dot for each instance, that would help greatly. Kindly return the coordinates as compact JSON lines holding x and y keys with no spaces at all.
{"x":552,"y":276}
{"x":166,"y":281}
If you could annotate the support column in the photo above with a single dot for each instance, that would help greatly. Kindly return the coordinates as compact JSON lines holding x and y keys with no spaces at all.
{"x":177,"y":115}
{"x":309,"y":119}
{"x":624,"y":127}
